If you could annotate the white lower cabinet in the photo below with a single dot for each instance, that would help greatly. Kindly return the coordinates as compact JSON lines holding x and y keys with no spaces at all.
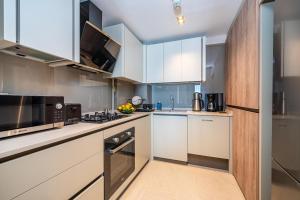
{"x":94,"y":192}
{"x":57,"y":172}
{"x":66,"y":184}
{"x":209,"y":136}
{"x":142,"y":142}
{"x":170,"y":137}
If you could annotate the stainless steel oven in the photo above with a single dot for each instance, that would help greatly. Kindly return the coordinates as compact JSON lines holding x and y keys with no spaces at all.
{"x":25,"y":114}
{"x":119,"y":160}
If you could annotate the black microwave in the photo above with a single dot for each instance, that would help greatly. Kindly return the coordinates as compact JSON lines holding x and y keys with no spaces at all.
{"x":26,"y":114}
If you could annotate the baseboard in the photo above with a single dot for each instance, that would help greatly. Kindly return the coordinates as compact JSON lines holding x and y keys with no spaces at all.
{"x":211,"y":162}
{"x":170,"y":160}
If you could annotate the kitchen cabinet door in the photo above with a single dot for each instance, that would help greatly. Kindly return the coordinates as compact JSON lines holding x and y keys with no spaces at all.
{"x":95,"y":191}
{"x":290,"y":48}
{"x":170,"y":137}
{"x":116,"y":32}
{"x":192,"y":59}
{"x":172,"y":61}
{"x":155,"y":63}
{"x":245,"y":152}
{"x":47,"y":26}
{"x":129,"y":64}
{"x":142,"y":142}
{"x":66,"y":184}
{"x":209,"y":136}
{"x":27,"y":172}
{"x":8,"y":30}
{"x":133,"y":57}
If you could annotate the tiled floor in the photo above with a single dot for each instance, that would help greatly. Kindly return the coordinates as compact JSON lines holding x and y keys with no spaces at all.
{"x":167,"y":181}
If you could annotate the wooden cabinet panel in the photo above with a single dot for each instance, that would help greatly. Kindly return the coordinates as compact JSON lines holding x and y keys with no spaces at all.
{"x":242,"y":88}
{"x":246,"y":152}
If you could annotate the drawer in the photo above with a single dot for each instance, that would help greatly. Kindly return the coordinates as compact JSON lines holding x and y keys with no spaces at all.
{"x":26,"y":172}
{"x":95,"y":191}
{"x":66,"y":184}
{"x":209,"y":136}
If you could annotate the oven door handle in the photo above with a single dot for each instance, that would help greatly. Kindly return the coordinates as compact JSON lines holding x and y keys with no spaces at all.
{"x":113,"y":151}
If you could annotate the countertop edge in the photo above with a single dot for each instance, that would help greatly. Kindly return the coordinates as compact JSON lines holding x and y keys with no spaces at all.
{"x":193,"y":113}
{"x":76,"y":134}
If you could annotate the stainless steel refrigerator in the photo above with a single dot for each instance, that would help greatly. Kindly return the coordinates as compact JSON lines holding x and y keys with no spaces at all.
{"x":286,"y":101}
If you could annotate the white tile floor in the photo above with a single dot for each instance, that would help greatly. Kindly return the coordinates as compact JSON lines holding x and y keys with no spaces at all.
{"x":167,"y":181}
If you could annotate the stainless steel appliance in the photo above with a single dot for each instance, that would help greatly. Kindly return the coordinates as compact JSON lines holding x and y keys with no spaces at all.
{"x":72,"y":113}
{"x":286,"y":98}
{"x":119,"y":160}
{"x":101,"y":117}
{"x":25,"y":114}
{"x":198,"y":103}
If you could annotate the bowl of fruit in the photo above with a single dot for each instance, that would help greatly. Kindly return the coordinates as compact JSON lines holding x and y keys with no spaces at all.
{"x":126,"y":108}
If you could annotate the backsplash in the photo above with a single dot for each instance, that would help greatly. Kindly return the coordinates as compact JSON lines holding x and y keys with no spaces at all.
{"x":123,"y":91}
{"x":182,"y":94}
{"x":26,"y":77}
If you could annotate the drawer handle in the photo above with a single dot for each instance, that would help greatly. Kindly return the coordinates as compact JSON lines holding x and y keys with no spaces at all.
{"x":113,"y":151}
{"x":207,"y":120}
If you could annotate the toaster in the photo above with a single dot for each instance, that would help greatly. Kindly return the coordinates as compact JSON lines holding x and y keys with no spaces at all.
{"x":72,"y":113}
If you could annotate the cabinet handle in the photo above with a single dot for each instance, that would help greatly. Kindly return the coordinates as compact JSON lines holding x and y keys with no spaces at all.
{"x":207,"y":120}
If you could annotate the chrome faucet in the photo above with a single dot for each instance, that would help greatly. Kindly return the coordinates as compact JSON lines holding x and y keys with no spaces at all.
{"x":172,"y":102}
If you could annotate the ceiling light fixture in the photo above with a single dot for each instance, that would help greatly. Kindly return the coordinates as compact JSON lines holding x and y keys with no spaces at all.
{"x":178,"y":11}
{"x":180,"y":20}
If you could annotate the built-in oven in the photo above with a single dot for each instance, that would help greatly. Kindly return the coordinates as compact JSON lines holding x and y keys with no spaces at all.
{"x":24,"y":114}
{"x":119,"y":160}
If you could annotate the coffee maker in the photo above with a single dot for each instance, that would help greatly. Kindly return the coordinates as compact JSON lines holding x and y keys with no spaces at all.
{"x":214,"y":102}
{"x":198,"y":103}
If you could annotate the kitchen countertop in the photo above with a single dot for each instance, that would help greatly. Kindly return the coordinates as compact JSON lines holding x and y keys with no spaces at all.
{"x":189,"y":112}
{"x":19,"y":144}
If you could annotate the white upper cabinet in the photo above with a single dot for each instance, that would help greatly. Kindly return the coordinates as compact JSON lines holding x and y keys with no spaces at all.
{"x":133,"y":57}
{"x":177,"y":61}
{"x":129,"y":63}
{"x":172,"y":61}
{"x":155,"y":63}
{"x":8,"y":23}
{"x":290,"y":48}
{"x":192,"y":59}
{"x":49,"y":26}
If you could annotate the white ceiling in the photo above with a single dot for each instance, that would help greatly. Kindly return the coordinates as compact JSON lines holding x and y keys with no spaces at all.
{"x":154,"y":20}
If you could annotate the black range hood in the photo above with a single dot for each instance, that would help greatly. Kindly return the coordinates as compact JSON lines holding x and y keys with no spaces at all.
{"x":98,"y":52}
